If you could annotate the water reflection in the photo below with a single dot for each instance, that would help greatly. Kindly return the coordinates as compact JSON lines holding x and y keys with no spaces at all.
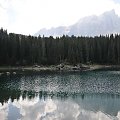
{"x":60,"y":96}
{"x":92,"y":107}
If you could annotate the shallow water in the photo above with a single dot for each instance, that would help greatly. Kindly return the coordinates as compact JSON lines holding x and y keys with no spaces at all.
{"x":88,"y":95}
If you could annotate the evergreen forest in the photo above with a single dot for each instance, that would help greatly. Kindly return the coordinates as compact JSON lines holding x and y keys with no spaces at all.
{"x":17,"y":49}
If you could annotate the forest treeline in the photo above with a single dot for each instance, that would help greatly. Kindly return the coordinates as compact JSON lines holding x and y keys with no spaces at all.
{"x":17,"y":49}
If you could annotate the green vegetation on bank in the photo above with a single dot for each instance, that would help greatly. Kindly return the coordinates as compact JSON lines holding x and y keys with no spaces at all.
{"x":17,"y":49}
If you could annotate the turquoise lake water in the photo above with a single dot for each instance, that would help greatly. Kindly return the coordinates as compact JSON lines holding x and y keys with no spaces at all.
{"x":91,"y":95}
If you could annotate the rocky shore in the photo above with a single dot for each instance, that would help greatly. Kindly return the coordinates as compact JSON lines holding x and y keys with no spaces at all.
{"x":60,"y":67}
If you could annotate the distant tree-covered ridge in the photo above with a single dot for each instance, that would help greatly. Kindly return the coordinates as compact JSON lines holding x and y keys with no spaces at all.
{"x":16,"y":49}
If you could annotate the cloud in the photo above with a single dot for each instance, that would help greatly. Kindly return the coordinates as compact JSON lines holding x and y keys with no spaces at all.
{"x":116,"y":1}
{"x":28,"y":16}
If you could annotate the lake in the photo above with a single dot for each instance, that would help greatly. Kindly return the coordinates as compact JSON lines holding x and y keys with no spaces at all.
{"x":90,"y":95}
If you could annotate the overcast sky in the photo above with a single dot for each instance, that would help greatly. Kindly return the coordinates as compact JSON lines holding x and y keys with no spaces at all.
{"x":29,"y":16}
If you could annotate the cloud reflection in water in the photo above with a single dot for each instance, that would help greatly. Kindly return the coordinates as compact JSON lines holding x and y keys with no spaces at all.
{"x":49,"y":109}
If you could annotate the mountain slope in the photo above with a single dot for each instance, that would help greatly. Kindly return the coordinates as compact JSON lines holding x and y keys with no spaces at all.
{"x":108,"y":22}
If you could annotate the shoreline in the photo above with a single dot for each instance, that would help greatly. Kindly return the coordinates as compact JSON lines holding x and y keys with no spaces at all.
{"x":59,"y":68}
